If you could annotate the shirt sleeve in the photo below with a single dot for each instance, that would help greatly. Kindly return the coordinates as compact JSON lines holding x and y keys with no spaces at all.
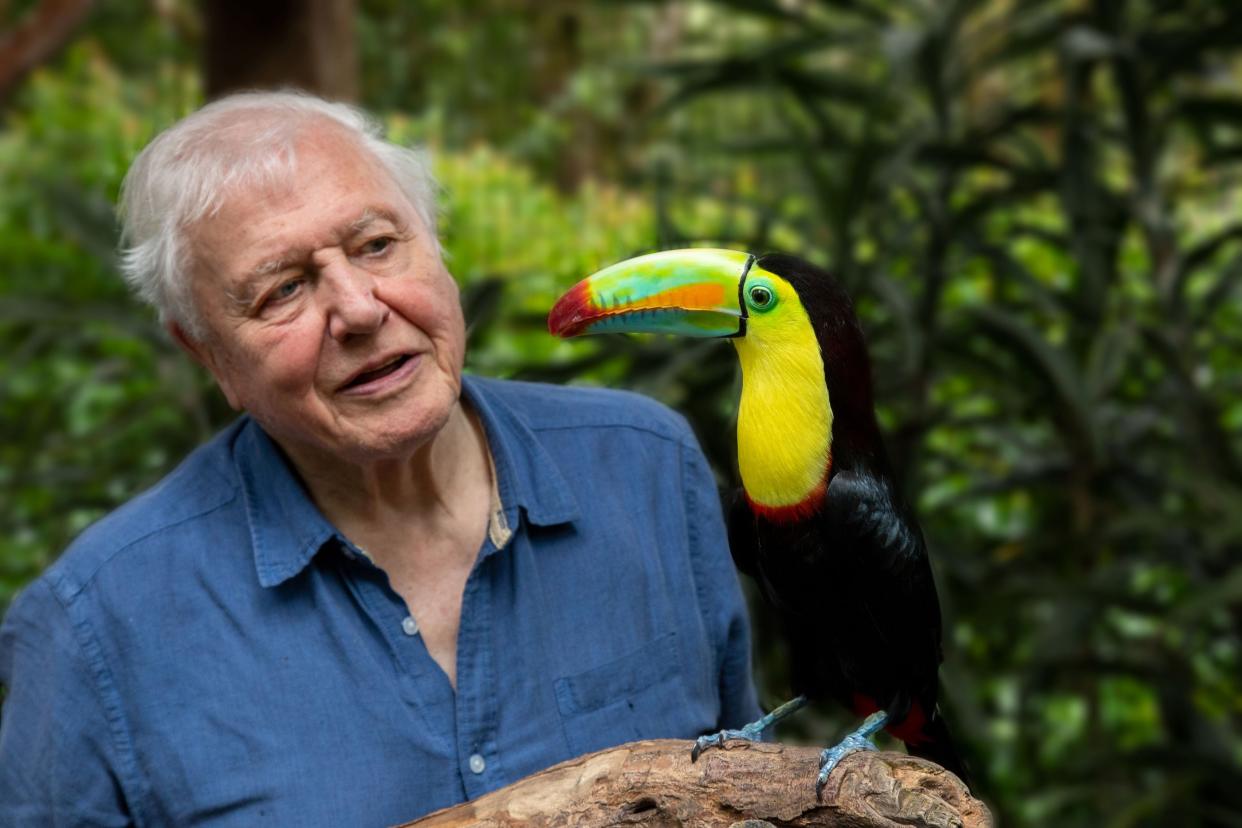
{"x":720,"y":595}
{"x":56,"y":766}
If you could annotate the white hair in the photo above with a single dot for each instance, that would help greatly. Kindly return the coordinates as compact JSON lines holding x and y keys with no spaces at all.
{"x":247,"y":139}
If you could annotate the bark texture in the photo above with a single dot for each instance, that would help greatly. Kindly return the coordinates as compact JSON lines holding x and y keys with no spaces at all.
{"x":745,"y":786}
{"x":307,"y":44}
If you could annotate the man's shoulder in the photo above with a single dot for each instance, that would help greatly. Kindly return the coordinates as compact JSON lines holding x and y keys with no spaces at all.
{"x":546,"y":407}
{"x":199,"y":486}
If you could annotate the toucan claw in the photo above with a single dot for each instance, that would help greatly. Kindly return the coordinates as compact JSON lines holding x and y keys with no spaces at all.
{"x":752,"y":732}
{"x":860,"y":739}
{"x":720,"y":739}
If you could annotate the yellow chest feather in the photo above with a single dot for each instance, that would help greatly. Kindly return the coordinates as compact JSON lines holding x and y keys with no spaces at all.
{"x":784,"y":427}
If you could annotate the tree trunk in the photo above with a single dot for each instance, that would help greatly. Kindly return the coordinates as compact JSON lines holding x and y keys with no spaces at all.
{"x":747,"y":785}
{"x":307,"y":44}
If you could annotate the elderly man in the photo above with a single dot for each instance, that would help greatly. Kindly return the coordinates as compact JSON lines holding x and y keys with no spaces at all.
{"x":385,"y":588}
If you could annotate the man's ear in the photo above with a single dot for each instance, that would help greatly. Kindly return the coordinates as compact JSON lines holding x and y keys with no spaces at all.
{"x":202,"y":353}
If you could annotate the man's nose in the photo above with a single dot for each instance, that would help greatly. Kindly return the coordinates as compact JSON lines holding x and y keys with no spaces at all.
{"x":353,"y":306}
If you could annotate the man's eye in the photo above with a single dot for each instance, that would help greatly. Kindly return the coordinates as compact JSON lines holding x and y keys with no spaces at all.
{"x":285,"y":291}
{"x":377,"y":246}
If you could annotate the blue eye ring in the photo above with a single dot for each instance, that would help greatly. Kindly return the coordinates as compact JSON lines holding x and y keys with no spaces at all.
{"x":760,"y":296}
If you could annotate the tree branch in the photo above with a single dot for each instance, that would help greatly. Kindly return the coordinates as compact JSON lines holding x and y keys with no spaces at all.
{"x":45,"y":30}
{"x":751,"y":785}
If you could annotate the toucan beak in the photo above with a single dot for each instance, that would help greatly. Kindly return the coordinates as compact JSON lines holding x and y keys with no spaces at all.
{"x":693,"y":292}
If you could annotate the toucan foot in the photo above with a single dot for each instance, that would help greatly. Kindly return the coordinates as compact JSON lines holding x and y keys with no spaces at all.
{"x":858,"y":740}
{"x":718,"y":739}
{"x":751,"y":732}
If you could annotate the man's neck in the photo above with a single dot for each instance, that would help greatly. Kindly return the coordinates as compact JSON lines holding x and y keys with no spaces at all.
{"x":435,"y":490}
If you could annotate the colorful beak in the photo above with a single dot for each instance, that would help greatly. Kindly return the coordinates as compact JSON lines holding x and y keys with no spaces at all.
{"x":693,"y":292}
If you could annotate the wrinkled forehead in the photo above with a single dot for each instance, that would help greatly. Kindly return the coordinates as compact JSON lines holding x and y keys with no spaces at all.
{"x":327,"y":190}
{"x":266,"y":158}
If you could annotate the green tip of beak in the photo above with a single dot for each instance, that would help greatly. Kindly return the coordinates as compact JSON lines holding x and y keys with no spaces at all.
{"x":691,"y":292}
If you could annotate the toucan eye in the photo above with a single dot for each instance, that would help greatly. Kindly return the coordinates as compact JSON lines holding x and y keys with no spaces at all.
{"x":761,"y":297}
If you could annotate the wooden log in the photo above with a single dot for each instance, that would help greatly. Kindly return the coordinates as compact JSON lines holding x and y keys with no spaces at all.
{"x":745,"y":786}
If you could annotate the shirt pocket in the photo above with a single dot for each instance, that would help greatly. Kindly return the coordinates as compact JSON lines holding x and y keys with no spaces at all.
{"x":637,"y":696}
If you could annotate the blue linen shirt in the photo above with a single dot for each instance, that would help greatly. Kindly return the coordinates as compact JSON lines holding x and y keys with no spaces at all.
{"x":217,"y":652}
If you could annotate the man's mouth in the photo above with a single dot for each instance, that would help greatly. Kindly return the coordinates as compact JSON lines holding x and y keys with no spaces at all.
{"x":392,"y":366}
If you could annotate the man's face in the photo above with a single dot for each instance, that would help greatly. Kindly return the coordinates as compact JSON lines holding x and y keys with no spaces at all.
{"x":330,"y":317}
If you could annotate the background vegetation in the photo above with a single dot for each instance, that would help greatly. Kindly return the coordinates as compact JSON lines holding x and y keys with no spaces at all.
{"x":1035,"y":205}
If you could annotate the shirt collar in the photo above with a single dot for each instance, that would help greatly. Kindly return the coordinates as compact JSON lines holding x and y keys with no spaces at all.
{"x":527,"y":477}
{"x":287,"y":530}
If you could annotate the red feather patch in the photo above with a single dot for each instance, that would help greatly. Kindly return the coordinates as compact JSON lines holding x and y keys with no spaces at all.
{"x":806,"y":508}
{"x":909,"y":731}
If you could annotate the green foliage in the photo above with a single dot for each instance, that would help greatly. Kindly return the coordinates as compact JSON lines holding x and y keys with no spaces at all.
{"x":95,"y":406}
{"x":1035,"y":208}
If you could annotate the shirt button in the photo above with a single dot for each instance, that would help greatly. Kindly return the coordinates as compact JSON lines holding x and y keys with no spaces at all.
{"x":409,"y":626}
{"x":477,"y":764}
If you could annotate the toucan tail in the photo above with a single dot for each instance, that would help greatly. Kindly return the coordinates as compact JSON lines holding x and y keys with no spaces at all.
{"x":937,"y":746}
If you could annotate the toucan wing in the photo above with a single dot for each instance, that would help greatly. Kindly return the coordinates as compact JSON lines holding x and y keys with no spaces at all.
{"x":888,"y":557}
{"x":743,"y":541}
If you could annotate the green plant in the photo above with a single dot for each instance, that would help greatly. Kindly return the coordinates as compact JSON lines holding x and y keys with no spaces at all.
{"x":1034,"y":205}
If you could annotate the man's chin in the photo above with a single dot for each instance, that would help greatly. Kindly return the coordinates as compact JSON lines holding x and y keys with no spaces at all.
{"x":393,"y":436}
{"x":378,"y":438}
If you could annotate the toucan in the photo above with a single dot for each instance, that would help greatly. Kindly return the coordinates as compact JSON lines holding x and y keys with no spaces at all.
{"x":818,"y":521}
